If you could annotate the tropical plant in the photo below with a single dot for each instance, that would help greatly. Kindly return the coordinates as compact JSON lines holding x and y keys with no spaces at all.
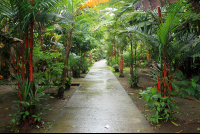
{"x":28,"y":104}
{"x":134,"y":80}
{"x":160,"y":107}
{"x":84,"y":65}
{"x":184,"y":87}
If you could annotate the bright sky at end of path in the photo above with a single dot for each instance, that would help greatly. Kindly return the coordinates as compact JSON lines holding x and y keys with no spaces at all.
{"x":92,"y":3}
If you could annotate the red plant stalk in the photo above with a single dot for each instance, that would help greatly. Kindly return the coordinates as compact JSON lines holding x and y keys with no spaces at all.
{"x":159,"y":12}
{"x":120,"y":64}
{"x":169,"y":80}
{"x":31,"y":50}
{"x":158,"y":89}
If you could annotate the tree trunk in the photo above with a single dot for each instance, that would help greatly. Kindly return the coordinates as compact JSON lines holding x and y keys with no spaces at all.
{"x":63,"y":78}
{"x":121,"y":70}
{"x":131,"y":67}
{"x":40,"y":38}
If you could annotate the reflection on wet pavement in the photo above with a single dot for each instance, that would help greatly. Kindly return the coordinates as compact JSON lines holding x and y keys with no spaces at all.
{"x":100,"y":105}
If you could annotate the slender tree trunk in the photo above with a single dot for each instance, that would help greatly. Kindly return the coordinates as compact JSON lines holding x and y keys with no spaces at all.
{"x":131,"y":67}
{"x":121,"y":65}
{"x":40,"y":38}
{"x":63,"y":78}
{"x":135,"y":60}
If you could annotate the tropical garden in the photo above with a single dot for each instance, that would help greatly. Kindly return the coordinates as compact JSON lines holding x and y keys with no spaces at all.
{"x":47,"y":43}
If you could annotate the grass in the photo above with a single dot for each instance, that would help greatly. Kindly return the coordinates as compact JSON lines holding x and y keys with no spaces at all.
{"x":126,"y":71}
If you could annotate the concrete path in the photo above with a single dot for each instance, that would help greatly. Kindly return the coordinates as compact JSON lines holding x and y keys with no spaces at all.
{"x":100,"y":105}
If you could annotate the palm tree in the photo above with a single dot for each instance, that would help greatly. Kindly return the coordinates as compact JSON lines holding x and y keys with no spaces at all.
{"x":79,"y":17}
{"x":23,"y":16}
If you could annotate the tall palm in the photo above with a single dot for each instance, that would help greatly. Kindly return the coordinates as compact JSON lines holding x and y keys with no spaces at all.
{"x":80,"y":17}
{"x":166,"y":45}
{"x":23,"y":16}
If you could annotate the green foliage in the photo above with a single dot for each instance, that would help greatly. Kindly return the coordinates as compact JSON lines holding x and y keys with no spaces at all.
{"x":186,"y":87}
{"x":53,"y":66}
{"x":98,"y":54}
{"x":134,"y":80}
{"x":160,"y":107}
{"x":68,"y":80}
{"x":84,"y":64}
{"x":27,"y":104}
{"x":126,"y":59}
{"x":73,"y":63}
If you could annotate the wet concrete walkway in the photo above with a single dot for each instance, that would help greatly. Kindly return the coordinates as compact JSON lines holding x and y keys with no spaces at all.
{"x":100,"y":105}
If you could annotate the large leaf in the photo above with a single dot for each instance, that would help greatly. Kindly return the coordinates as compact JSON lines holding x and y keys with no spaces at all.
{"x":183,"y":93}
{"x":179,"y":74}
{"x":196,"y":78}
{"x":191,"y":90}
{"x":184,"y":83}
{"x":154,"y":90}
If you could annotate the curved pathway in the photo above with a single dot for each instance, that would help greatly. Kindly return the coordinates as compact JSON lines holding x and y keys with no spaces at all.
{"x":100,"y":105}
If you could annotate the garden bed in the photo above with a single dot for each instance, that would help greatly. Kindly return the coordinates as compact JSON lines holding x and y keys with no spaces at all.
{"x":188,"y":116}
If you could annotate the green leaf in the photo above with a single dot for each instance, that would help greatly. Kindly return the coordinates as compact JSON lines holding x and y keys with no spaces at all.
{"x":196,"y":78}
{"x":198,"y":87}
{"x":165,"y":111}
{"x":173,"y":93}
{"x":194,"y":85}
{"x":156,"y":96}
{"x":158,"y":109}
{"x":162,"y":104}
{"x":26,"y":112}
{"x":39,"y":118}
{"x":154,"y":90}
{"x":34,"y":116}
{"x":157,"y":103}
{"x":138,"y":130}
{"x":179,"y":74}
{"x":185,"y":82}
{"x":21,"y":113}
{"x":13,"y":121}
{"x":191,"y":90}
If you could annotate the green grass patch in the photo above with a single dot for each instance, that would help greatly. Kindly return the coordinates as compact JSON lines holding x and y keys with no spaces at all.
{"x":126,"y":71}
{"x":113,"y":70}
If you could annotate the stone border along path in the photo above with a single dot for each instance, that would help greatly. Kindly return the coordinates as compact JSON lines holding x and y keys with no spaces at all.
{"x":100,"y":105}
